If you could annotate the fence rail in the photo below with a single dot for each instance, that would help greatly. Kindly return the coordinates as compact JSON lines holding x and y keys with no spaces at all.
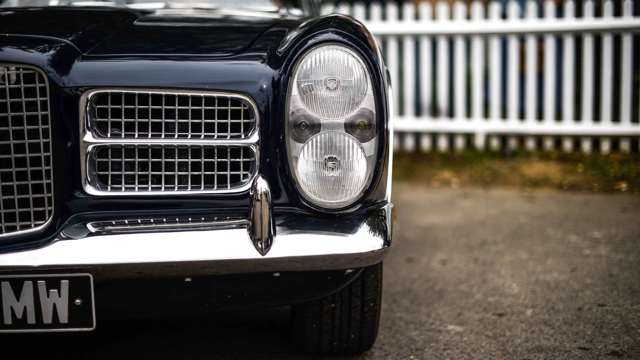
{"x":510,"y":74}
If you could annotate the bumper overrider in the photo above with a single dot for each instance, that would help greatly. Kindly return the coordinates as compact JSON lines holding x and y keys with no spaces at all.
{"x":263,"y":242}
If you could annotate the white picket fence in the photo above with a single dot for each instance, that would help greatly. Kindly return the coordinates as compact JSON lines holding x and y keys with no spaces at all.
{"x":510,"y":74}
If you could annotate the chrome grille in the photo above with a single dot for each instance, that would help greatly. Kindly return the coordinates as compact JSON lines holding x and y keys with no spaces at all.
{"x":129,"y":114}
{"x":118,"y":168}
{"x":26,"y":189}
{"x":167,"y":142}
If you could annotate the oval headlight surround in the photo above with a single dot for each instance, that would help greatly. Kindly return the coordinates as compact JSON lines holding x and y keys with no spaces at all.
{"x":331,"y":131}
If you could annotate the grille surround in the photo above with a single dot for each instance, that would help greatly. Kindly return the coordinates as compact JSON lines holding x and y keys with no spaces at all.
{"x":32,"y":105}
{"x":92,"y":140}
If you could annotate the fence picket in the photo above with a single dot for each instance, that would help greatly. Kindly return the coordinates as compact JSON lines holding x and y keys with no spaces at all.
{"x":606,"y":80}
{"x":494,"y":143}
{"x":425,"y":15}
{"x":460,"y":68}
{"x":460,"y":76}
{"x":359,"y":11}
{"x":549,"y":72}
{"x":459,"y":143}
{"x":426,"y":143}
{"x":531,"y":91}
{"x":409,"y":73}
{"x":326,"y":9}
{"x":495,"y":75}
{"x":513,"y":65}
{"x":587,"y":77}
{"x":442,"y":74}
{"x":495,"y":70}
{"x":443,"y":142}
{"x":442,"y":67}
{"x":375,"y":15}
{"x":393,"y":58}
{"x":477,"y":74}
{"x":343,"y":8}
{"x":626,"y":77}
{"x":375,"y":12}
{"x":568,"y":72}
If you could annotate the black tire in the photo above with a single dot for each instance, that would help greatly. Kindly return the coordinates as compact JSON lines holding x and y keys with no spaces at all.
{"x":344,"y":323}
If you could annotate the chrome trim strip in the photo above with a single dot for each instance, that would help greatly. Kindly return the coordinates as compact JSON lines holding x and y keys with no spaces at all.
{"x":89,"y":141}
{"x":53,"y":196}
{"x":194,"y":142}
{"x":150,"y":225}
{"x":93,"y":303}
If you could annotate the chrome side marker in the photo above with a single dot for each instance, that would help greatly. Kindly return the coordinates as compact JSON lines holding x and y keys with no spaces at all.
{"x":261,"y":227}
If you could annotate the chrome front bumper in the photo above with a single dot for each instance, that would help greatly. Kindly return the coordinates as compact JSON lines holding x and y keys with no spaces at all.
{"x":265,"y":243}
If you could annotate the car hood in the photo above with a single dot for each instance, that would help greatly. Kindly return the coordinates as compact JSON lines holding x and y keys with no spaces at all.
{"x":126,"y":32}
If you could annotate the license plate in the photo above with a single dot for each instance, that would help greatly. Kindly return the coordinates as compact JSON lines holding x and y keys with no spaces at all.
{"x":39,"y":303}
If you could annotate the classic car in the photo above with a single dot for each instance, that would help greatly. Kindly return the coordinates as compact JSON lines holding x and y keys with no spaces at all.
{"x":217,"y":154}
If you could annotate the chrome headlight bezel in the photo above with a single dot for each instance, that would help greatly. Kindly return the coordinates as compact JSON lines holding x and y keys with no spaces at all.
{"x":368,"y":131}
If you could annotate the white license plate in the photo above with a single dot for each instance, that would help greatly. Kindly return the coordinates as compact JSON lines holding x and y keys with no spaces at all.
{"x":39,"y":303}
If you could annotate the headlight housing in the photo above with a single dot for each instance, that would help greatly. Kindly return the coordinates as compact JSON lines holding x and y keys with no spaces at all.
{"x":331,"y":130}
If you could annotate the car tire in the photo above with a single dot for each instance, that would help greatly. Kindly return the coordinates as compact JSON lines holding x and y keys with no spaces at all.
{"x":344,"y":323}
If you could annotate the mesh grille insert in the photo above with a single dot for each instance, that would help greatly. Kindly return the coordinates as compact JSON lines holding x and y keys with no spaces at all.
{"x":171,"y":168}
{"x":129,"y":114}
{"x":26,"y":193}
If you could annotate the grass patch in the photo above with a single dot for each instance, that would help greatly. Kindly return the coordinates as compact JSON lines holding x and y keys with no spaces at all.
{"x":573,"y":172}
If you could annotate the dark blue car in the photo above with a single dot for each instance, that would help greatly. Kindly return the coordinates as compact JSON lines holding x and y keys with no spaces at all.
{"x":192,"y":156}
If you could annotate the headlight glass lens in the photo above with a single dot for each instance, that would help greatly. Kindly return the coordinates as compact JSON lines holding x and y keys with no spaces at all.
{"x":332,"y":82}
{"x":331,"y":126}
{"x":333,"y":168}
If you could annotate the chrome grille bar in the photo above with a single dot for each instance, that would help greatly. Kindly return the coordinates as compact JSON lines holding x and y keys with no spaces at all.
{"x":154,"y":224}
{"x":26,"y":180}
{"x":127,"y":149}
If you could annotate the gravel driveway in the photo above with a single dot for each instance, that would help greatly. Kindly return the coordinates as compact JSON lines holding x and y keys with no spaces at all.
{"x":473,"y":274}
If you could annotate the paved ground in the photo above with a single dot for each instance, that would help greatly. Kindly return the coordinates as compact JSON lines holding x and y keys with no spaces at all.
{"x":473,"y":274}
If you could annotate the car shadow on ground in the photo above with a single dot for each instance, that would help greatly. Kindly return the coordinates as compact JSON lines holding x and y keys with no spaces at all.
{"x":249,"y":334}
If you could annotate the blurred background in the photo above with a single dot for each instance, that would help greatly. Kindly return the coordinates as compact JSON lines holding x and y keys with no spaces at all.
{"x":512,"y":93}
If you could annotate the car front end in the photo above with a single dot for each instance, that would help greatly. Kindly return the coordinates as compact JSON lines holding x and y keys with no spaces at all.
{"x":156,"y":156}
